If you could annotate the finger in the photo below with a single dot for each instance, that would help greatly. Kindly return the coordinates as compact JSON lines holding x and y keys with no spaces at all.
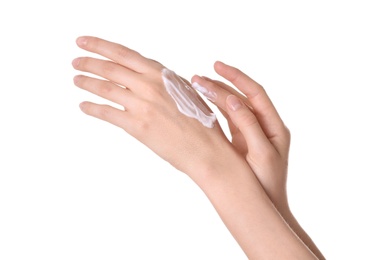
{"x":104,"y":89}
{"x":264,"y":110}
{"x":215,"y":93}
{"x":210,"y":90}
{"x":188,"y":84}
{"x":108,"y":70}
{"x":118,"y":53}
{"x":107,"y":113}
{"x":229,"y":89}
{"x":232,"y":127}
{"x":232,"y":91}
{"x":249,"y":126}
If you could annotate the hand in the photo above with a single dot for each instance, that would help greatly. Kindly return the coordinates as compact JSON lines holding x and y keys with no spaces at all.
{"x":148,"y":112}
{"x":258,"y":132}
{"x":151,"y":115}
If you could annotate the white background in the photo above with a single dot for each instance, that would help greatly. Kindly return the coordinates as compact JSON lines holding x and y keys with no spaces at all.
{"x":74,"y":187}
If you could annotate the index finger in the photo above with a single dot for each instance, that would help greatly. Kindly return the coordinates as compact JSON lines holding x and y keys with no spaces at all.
{"x":118,"y":53}
{"x":264,"y":109}
{"x":259,"y":100}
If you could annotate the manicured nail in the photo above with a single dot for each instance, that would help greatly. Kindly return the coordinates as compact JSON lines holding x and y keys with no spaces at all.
{"x":233,"y":102}
{"x":82,"y":41}
{"x":212,"y":96}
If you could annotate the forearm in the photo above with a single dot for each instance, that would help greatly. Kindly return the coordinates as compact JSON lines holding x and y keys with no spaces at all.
{"x":300,"y":232}
{"x":247,"y":211}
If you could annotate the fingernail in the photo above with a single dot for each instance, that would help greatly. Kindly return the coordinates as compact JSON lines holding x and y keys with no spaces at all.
{"x":75,"y":62}
{"x":76,"y":79}
{"x":233,"y":102}
{"x":82,"y":105}
{"x":212,"y":96}
{"x":82,"y":41}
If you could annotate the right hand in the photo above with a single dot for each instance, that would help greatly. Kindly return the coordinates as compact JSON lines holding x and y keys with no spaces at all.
{"x":258,"y":132}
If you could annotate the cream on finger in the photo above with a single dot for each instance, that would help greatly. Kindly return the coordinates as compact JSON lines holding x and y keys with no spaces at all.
{"x":212,"y":96}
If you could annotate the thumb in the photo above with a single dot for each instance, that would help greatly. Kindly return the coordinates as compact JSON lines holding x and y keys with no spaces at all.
{"x":245,"y":120}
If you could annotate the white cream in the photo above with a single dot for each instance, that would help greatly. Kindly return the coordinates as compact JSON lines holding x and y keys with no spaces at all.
{"x":212,"y":96}
{"x":186,"y":99}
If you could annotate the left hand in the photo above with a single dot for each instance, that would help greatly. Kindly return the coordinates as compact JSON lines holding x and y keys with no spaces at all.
{"x":148,"y":112}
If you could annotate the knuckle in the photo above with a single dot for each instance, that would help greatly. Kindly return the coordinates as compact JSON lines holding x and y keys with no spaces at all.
{"x":108,"y":68}
{"x":287,"y":132}
{"x":234,"y":74}
{"x":152,"y":91}
{"x":246,"y":119}
{"x":147,"y":109}
{"x":104,"y":112}
{"x":142,"y":126}
{"x":124,"y":53}
{"x":105,"y":89}
{"x":256,"y":91}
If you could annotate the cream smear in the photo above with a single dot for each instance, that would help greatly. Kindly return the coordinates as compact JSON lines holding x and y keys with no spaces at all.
{"x":186,"y":99}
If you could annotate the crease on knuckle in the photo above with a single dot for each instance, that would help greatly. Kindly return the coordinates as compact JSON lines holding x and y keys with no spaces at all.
{"x":147,"y":110}
{"x":104,"y":112}
{"x":108,"y":68}
{"x":123,"y":52}
{"x":255,"y":92}
{"x":141,"y":128}
{"x":246,"y":120}
{"x":105,"y":89}
{"x":234,"y":74}
{"x":152,"y":91}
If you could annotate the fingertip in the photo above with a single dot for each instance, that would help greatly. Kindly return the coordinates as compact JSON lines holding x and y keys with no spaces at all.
{"x":201,"y":85}
{"x":76,"y":79}
{"x":83,"y":106}
{"x":200,"y":79}
{"x":216,"y":64}
{"x":220,"y":67}
{"x":82,"y":41}
{"x":75,"y":62}
{"x":195,"y":78}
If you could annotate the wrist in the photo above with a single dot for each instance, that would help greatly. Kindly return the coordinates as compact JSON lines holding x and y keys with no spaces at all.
{"x":221,"y":161}
{"x":244,"y":207}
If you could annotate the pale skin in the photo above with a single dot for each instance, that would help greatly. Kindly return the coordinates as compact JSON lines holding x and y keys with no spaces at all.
{"x":246,"y":201}
{"x":258,"y":133}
